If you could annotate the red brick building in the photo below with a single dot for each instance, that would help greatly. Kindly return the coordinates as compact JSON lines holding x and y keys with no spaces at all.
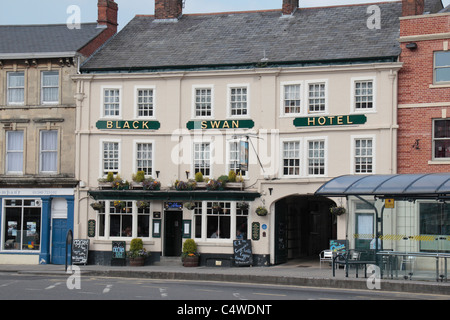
{"x":424,"y":90}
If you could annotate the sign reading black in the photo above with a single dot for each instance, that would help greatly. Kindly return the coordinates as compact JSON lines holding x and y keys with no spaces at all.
{"x":118,"y":250}
{"x":243,"y":252}
{"x":80,"y":249}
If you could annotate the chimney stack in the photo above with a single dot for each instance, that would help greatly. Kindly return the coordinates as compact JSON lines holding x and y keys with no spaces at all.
{"x":107,"y":14}
{"x":289,"y":7}
{"x":168,"y":9}
{"x":412,"y":7}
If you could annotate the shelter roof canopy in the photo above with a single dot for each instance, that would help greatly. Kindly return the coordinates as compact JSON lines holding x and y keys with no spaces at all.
{"x":415,"y":186}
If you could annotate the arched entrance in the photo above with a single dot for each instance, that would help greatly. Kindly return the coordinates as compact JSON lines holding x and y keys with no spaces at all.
{"x":303,"y":227}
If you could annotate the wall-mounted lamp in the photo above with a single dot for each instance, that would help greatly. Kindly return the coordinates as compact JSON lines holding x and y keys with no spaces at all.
{"x":270,"y":191}
{"x":157,"y":174}
{"x":411,"y":46}
{"x":416,"y":144}
{"x":187,"y":174}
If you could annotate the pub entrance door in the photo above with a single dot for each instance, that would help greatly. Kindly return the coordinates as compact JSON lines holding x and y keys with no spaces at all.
{"x":173,"y":233}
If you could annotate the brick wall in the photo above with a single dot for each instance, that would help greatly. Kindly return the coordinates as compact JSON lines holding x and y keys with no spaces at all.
{"x":419,"y":103}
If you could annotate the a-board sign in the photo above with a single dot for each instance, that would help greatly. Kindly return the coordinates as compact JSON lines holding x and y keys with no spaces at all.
{"x":243,"y":252}
{"x":118,"y":250}
{"x":80,"y":249}
{"x":338,"y":245}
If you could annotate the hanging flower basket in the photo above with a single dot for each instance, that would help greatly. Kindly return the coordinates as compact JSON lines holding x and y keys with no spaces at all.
{"x":337,"y":211}
{"x":119,"y":205}
{"x":261,"y":211}
{"x":190,"y":205}
{"x":142,"y":204}
{"x":216,"y":207}
{"x":242,"y":205}
{"x":97,"y":206}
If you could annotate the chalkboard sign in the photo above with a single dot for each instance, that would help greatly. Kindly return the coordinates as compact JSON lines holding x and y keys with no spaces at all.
{"x":118,"y":250}
{"x":243,"y":252}
{"x":338,"y":245}
{"x":80,"y":249}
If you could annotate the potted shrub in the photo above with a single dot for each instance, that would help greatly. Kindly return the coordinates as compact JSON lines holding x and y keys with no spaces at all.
{"x":137,"y":252}
{"x":137,"y":179}
{"x":106,"y":182}
{"x":261,"y":211}
{"x":190,"y":255}
{"x":234,"y":182}
{"x":200,"y":180}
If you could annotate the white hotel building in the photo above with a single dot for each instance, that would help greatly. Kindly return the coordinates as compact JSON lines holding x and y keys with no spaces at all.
{"x":312,"y":93}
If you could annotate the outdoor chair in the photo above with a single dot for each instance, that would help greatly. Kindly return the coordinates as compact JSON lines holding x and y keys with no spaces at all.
{"x":326,"y":256}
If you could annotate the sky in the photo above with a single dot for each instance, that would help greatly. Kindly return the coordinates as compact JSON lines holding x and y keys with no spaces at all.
{"x":55,"y":11}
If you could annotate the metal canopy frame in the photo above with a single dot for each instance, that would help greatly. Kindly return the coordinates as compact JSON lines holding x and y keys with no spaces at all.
{"x":399,"y":186}
{"x":406,"y":187}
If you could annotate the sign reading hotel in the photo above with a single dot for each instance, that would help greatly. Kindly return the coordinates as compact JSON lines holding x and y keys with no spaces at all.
{"x":220,"y":124}
{"x":128,"y":125}
{"x":323,"y":121}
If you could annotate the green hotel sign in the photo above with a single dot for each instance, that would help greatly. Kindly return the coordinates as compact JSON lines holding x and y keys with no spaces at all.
{"x":220,"y":124}
{"x":323,"y":121}
{"x":128,"y":125}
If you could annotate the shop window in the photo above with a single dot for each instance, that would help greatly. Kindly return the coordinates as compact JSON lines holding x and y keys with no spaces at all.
{"x":22,"y":224}
{"x":117,"y":218}
{"x":441,"y":139}
{"x":435,"y":226}
{"x":218,"y":217}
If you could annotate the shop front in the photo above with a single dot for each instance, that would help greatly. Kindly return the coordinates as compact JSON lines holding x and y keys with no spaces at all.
{"x":34,"y":224}
{"x":164,"y":219}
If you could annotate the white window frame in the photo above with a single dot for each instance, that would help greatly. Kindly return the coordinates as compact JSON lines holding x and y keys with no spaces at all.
{"x":311,"y":82}
{"x":14,"y":151}
{"x":301,"y":158}
{"x":353,"y":109}
{"x":230,"y":87}
{"x":136,"y":102}
{"x":353,"y":153}
{"x":134,"y":220}
{"x":135,"y":159}
{"x":440,"y":67}
{"x":210,"y":158}
{"x":102,"y":142}
{"x":228,"y":157}
{"x":434,"y":139}
{"x":8,"y":88}
{"x":306,"y":155}
{"x":42,"y":88}
{"x":41,"y":152}
{"x":102,"y":102}
{"x":194,"y":103}
{"x":302,"y":98}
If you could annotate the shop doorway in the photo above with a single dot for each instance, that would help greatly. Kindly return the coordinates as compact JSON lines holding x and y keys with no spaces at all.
{"x":303,"y":227}
{"x":173,"y":233}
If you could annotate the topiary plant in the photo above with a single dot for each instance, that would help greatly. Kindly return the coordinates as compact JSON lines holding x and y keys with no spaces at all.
{"x":189,"y":248}
{"x":136,"y":244}
{"x":231,"y":176}
{"x":199,"y":177}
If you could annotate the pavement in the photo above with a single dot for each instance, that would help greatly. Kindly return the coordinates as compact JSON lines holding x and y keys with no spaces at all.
{"x":295,"y":273}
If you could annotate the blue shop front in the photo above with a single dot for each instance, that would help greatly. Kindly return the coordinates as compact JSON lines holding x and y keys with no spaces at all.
{"x":34,"y":225}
